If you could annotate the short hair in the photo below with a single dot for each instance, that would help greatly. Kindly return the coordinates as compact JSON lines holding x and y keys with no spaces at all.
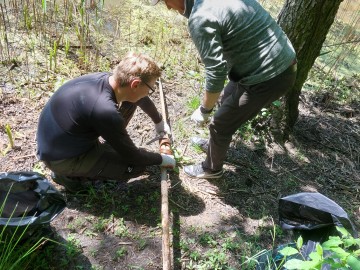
{"x":136,"y":65}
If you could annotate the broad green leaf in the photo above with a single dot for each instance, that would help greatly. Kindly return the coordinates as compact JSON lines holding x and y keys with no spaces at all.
{"x":298,"y":264}
{"x":333,"y":242}
{"x":319,"y":249}
{"x":340,"y":252}
{"x":277,"y":103}
{"x":288,"y":251}
{"x":313,"y":264}
{"x":315,"y":256}
{"x":294,"y":264}
{"x":334,"y":264}
{"x":334,"y":237}
{"x":299,"y":242}
{"x":349,"y":242}
{"x":353,"y":262}
{"x":357,"y":240}
{"x":343,"y":231}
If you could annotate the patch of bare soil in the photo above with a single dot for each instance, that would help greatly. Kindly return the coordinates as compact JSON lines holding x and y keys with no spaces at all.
{"x":117,"y":226}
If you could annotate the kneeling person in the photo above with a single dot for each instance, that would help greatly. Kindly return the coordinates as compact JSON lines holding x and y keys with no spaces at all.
{"x":100,"y":105}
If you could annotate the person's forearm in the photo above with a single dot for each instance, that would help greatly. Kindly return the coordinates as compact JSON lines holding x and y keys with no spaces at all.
{"x":150,"y":109}
{"x":210,"y":99}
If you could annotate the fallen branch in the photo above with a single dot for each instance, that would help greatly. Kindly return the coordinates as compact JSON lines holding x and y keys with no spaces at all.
{"x":178,"y":205}
{"x":164,"y":148}
{"x":26,"y":156}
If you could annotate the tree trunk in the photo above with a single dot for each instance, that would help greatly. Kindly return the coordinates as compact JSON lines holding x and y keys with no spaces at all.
{"x":306,"y":23}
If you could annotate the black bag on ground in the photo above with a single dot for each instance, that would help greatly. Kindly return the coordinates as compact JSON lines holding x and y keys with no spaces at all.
{"x":313,"y":215}
{"x":28,"y":203}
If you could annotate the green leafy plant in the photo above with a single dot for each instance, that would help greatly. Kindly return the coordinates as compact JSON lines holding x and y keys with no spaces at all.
{"x":257,"y":129}
{"x":193,"y":103}
{"x":141,"y":244}
{"x":38,"y":167}
{"x":246,"y":131}
{"x":28,"y":19}
{"x":121,"y":229}
{"x":207,"y":239}
{"x":337,"y":252}
{"x":43,"y":5}
{"x":53,"y":52}
{"x":67,"y":47}
{"x":180,"y":158}
{"x":120,"y":253}
{"x":100,"y":225}
{"x":216,"y":259}
{"x":73,"y":246}
{"x":9,"y":134}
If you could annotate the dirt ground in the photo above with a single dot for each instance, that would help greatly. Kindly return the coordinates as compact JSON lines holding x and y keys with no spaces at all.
{"x":323,"y":155}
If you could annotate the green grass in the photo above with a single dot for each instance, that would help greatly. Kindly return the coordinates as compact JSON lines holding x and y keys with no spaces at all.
{"x":163,"y":35}
{"x":193,"y":103}
{"x":17,"y":249}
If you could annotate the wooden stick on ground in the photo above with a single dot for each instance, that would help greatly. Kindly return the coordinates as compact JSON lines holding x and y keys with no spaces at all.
{"x":165,"y":149}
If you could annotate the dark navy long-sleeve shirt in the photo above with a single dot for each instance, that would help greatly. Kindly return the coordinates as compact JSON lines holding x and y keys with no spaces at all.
{"x":77,"y":114}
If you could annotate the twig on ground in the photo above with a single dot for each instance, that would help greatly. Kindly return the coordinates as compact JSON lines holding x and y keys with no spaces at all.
{"x":184,"y":150}
{"x":246,"y":192}
{"x":125,"y":243}
{"x":289,"y":172}
{"x":26,"y":156}
{"x":178,"y":205}
{"x":295,"y":169}
{"x":350,"y":150}
{"x":111,"y":226}
{"x":177,"y":183}
{"x":237,"y":165}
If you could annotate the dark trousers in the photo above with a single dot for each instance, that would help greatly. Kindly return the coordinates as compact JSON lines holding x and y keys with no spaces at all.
{"x":101,"y":162}
{"x":241,"y":103}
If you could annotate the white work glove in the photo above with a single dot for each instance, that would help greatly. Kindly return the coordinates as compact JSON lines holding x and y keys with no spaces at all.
{"x":162,"y":128}
{"x":168,"y":161}
{"x":200,"y":118}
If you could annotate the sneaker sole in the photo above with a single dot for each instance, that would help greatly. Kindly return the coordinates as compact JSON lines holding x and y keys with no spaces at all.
{"x":214,"y":176}
{"x":204,"y":176}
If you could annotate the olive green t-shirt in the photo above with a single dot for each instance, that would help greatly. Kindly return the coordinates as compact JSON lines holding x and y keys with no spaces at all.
{"x":237,"y":35}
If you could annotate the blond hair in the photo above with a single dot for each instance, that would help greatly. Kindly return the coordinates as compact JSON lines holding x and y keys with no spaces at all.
{"x":136,"y":65}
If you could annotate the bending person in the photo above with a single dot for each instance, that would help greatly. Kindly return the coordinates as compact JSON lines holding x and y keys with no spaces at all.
{"x":239,"y":40}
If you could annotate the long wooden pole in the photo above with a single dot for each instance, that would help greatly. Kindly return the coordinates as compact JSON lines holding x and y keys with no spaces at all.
{"x":165,"y":148}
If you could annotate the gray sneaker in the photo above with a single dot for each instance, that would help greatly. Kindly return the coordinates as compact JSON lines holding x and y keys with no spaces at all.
{"x":71,"y":184}
{"x":197,"y":171}
{"x":200,"y":143}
